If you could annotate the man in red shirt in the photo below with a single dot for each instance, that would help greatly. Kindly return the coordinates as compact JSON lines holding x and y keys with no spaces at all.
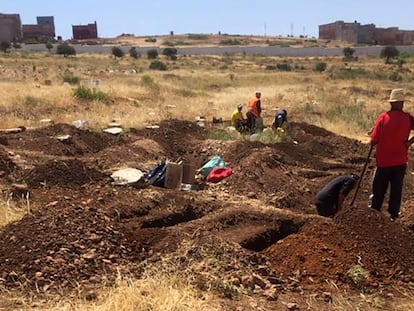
{"x":390,"y":136}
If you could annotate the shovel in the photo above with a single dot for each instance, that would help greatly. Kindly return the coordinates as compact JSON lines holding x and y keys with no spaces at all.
{"x":362,"y":175}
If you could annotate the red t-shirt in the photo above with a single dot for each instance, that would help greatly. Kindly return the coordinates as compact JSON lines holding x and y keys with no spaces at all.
{"x":390,"y":132}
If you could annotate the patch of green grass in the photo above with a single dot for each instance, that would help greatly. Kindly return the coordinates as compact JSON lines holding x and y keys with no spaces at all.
{"x":224,"y":134}
{"x":186,"y":93}
{"x":71,"y":79}
{"x":353,"y":113}
{"x":32,"y":101}
{"x":354,"y":73}
{"x":358,"y":275}
{"x":85,"y":93}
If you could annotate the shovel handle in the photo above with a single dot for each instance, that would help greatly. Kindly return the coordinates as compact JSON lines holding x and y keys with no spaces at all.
{"x":362,"y":175}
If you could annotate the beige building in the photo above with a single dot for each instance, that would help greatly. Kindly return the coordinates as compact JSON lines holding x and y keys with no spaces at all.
{"x":367,"y":34}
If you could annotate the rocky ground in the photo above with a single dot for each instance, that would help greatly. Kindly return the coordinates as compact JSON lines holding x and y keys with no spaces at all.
{"x":255,"y":232}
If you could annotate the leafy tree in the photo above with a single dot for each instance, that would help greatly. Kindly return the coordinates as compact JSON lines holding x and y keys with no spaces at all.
{"x":171,"y":53}
{"x":5,"y":46}
{"x":348,"y":53}
{"x":65,"y":50}
{"x":152,"y":54}
{"x":389,"y":52}
{"x":49,"y":46}
{"x":117,"y":52}
{"x":134,"y":53}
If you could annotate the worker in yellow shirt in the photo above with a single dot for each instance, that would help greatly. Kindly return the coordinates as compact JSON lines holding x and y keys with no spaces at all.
{"x":238,"y":120}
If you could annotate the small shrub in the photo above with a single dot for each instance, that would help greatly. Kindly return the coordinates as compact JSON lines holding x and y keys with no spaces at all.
{"x":150,"y":84}
{"x":150,"y":39}
{"x":395,"y":76}
{"x":271,"y":67}
{"x":71,"y":79}
{"x":85,"y":93}
{"x":284,"y":66}
{"x":134,"y":53}
{"x":5,"y":46}
{"x":348,"y":53}
{"x":171,"y":53}
{"x":49,"y":46}
{"x":158,"y":65}
{"x":321,"y":66}
{"x":117,"y":52}
{"x":389,"y":52}
{"x":65,"y":50}
{"x":152,"y":54}
{"x":358,"y":276}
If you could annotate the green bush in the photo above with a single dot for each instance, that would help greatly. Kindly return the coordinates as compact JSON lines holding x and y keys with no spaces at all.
{"x":117,"y":52}
{"x":134,"y":53}
{"x":65,"y":50}
{"x":171,"y":53}
{"x":389,"y":52}
{"x":5,"y":46}
{"x":152,"y":54}
{"x":284,"y":66}
{"x":49,"y":45}
{"x":321,"y":66}
{"x":71,"y":79}
{"x":158,"y":65}
{"x":85,"y":93}
{"x":271,"y":67}
{"x":150,"y":39}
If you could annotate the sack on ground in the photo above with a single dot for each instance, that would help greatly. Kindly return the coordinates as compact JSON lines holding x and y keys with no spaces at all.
{"x":218,"y":174}
{"x":214,"y":162}
{"x":156,"y":175}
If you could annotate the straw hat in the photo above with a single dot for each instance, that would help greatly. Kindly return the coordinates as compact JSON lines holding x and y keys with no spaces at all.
{"x":397,"y":95}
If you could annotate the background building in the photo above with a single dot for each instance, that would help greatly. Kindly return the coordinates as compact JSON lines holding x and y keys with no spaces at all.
{"x":10,"y":27}
{"x":43,"y":31}
{"x":81,"y":32}
{"x":368,"y":34}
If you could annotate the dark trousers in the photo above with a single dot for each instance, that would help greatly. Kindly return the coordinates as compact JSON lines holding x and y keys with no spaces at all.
{"x":251,"y":122}
{"x":393,"y":175}
{"x":326,"y":209}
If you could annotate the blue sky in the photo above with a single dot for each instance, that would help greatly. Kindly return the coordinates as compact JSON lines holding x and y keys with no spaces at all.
{"x":260,"y":17}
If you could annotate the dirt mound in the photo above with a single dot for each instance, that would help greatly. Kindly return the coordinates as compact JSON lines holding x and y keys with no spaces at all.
{"x":59,"y":246}
{"x":87,"y":229}
{"x":358,"y":236}
{"x":176,"y":137}
{"x":6,"y":164}
{"x":68,"y":173}
{"x":45,"y":140}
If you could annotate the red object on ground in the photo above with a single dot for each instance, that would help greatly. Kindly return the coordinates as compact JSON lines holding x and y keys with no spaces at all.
{"x":219,"y":173}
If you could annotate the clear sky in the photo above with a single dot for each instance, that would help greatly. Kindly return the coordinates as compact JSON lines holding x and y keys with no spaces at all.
{"x":259,"y":17}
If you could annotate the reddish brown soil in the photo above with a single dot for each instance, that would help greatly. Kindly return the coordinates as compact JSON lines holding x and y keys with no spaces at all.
{"x":83,"y":230}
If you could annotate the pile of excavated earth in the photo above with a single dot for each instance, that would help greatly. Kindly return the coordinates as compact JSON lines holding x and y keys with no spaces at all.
{"x":259,"y":224}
